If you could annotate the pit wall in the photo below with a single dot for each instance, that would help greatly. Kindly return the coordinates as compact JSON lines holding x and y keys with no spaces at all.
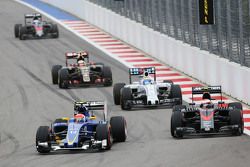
{"x":205,"y":67}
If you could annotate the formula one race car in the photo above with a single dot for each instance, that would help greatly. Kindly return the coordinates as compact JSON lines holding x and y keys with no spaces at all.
{"x":146,"y":92}
{"x":35,"y":27}
{"x":82,"y":132}
{"x":207,"y":118}
{"x":81,"y":72}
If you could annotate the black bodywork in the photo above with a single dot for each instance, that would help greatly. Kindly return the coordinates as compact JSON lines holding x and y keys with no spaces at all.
{"x":28,"y":30}
{"x":207,"y":118}
{"x":73,"y":75}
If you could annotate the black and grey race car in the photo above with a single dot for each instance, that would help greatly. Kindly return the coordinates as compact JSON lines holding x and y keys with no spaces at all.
{"x":207,"y":118}
{"x":35,"y":27}
{"x":81,"y":72}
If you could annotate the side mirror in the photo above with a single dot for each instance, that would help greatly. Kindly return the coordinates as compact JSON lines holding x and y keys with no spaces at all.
{"x":191,"y":104}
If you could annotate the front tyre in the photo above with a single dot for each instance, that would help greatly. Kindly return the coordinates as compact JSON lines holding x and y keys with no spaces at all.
{"x":17,"y":29}
{"x":117,"y":92}
{"x":54,"y":72}
{"x":22,"y":33}
{"x":55,"y":31}
{"x":118,"y":128}
{"x":43,"y":136}
{"x":236,"y":119}
{"x":176,"y":121}
{"x":63,"y":79}
{"x":126,"y":97}
{"x":103,"y":132}
{"x":175,"y":92}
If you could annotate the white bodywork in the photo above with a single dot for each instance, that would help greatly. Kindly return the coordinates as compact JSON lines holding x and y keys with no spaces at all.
{"x":151,"y":90}
{"x":38,"y":25}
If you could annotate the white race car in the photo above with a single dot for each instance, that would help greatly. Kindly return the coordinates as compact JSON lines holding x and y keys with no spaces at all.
{"x":146,"y":92}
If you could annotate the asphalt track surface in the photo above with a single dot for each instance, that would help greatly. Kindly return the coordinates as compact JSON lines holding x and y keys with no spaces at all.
{"x":28,"y":99}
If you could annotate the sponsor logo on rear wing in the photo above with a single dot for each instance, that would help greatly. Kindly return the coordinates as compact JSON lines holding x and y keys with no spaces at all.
{"x":140,"y":71}
{"x":33,"y":15}
{"x":93,"y":106}
{"x":72,"y":55}
{"x":206,"y":89}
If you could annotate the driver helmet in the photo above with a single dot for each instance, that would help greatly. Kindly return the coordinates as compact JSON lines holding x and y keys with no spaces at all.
{"x":147,"y":81}
{"x":79,"y":118}
{"x":207,"y":105}
{"x":36,"y":22}
{"x":81,"y":63}
{"x":83,"y":110}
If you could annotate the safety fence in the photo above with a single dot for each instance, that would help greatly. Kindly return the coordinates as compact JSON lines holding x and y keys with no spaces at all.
{"x":229,"y":37}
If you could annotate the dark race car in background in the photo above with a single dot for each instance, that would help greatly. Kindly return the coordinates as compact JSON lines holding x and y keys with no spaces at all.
{"x":82,"y":74}
{"x":82,"y":133}
{"x":35,"y":27}
{"x":207,"y":118}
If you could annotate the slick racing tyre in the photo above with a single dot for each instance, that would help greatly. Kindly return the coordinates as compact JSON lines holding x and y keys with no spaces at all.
{"x":17,"y":29}
{"x":176,"y":121}
{"x":54,"y":73}
{"x":175,"y":92}
{"x":117,"y":92}
{"x":178,"y":107}
{"x":126,"y":95}
{"x":236,"y":119}
{"x":43,"y":136}
{"x":118,"y":128}
{"x":107,"y":76}
{"x":55,"y":32}
{"x":168,"y":81}
{"x":22,"y":33}
{"x":235,"y":105}
{"x":63,"y":79}
{"x":103,"y":133}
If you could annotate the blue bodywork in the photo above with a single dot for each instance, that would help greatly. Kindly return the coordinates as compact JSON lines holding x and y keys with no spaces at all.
{"x":79,"y":132}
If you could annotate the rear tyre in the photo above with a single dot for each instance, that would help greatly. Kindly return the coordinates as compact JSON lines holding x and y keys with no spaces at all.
{"x":17,"y":29}
{"x":235,"y":105}
{"x":175,"y":92}
{"x":168,"y":81}
{"x":176,"y":121}
{"x":54,"y":73}
{"x":178,"y":108}
{"x":98,"y":63}
{"x":236,"y":119}
{"x":107,"y":76}
{"x":126,"y":95}
{"x":117,"y":92}
{"x":63,"y":79}
{"x":103,"y":133}
{"x":42,"y":136}
{"x":118,"y":128}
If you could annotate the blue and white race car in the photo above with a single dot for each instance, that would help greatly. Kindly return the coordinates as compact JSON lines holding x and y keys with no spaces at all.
{"x":82,"y":132}
{"x":147,"y":92}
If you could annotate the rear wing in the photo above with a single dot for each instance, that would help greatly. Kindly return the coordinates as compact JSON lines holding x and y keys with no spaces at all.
{"x":93,"y":106}
{"x":206,"y":89}
{"x":28,"y":16}
{"x":74,"y":55}
{"x":141,"y":71}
